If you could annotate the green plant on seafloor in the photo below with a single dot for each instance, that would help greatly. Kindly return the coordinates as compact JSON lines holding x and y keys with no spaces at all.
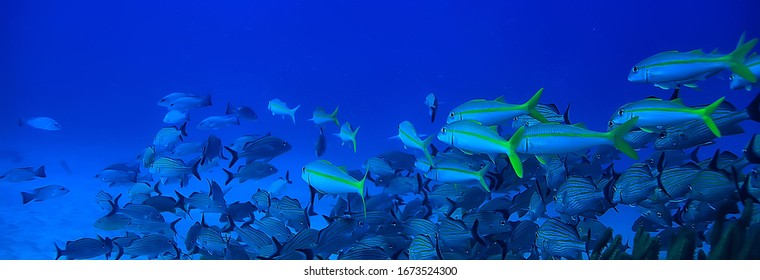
{"x":733,"y":239}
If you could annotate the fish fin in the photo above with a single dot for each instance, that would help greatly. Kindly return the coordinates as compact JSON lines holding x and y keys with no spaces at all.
{"x":750,"y":153}
{"x":234,"y":156}
{"x":566,"y":115}
{"x":736,"y":61}
{"x":618,"y":137}
{"x":531,"y":104}
{"x":662,"y":86}
{"x":707,"y":111}
{"x":697,"y":51}
{"x":230,"y":110}
{"x":334,"y":116}
{"x":541,"y":159}
{"x":500,"y":99}
{"x":753,"y":109}
{"x":195,"y":169}
{"x":353,"y":137}
{"x":293,"y":113}
{"x":481,"y":177}
{"x":40,"y":172}
{"x":475,"y":234}
{"x":674,"y":96}
{"x":514,"y":159}
{"x":230,"y":176}
{"x":58,"y":251}
{"x":27,"y":197}
{"x":206,"y":101}
{"x":395,"y":137}
{"x":183,"y":129}
{"x":425,"y":148}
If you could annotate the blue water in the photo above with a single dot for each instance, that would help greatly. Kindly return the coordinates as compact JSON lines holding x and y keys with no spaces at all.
{"x":100,"y":67}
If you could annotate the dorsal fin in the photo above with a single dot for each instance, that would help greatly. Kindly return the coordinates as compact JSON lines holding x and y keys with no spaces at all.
{"x":697,"y":51}
{"x":674,"y":96}
{"x":500,"y":99}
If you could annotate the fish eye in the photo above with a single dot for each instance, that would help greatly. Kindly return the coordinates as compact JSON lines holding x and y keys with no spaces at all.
{"x":303,"y":169}
{"x":443,"y":130}
{"x":451,"y":114}
{"x":731,"y":78}
{"x":610,"y":124}
{"x":635,"y":69}
{"x":621,"y":111}
{"x":555,"y":198}
{"x":502,"y":222}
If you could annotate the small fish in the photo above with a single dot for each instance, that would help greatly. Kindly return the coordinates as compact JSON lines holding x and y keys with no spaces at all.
{"x":190,"y":102}
{"x":243,"y":112}
{"x":455,"y":173}
{"x":281,"y":108}
{"x":169,"y":98}
{"x":277,"y":188}
{"x":176,"y":117}
{"x":169,"y":135}
{"x":169,"y":168}
{"x":408,"y":135}
{"x":550,"y":113}
{"x":264,"y":148}
{"x":43,"y":123}
{"x":330,"y":179}
{"x":217,"y":122}
{"x":85,"y":248}
{"x":347,"y":134}
{"x":553,"y":138}
{"x":150,"y":245}
{"x":23,"y":174}
{"x":44,"y":193}
{"x":655,"y":113}
{"x":472,"y":137}
{"x":252,"y":171}
{"x":321,"y":146}
{"x":320,"y":117}
{"x":672,"y":69}
{"x":578,"y":195}
{"x":432,"y":103}
{"x":212,"y":149}
{"x":557,"y":239}
{"x":635,"y":184}
{"x":497,"y":111}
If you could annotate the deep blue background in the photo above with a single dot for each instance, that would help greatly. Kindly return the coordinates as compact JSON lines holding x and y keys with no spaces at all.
{"x":99,"y":67}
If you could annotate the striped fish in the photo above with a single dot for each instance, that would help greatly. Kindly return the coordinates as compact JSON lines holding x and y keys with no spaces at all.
{"x":497,"y":111}
{"x":423,"y":248}
{"x":635,"y":184}
{"x":578,"y":195}
{"x":556,"y":239}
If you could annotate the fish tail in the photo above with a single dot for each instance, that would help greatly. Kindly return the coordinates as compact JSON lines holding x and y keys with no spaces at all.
{"x":183,"y":129}
{"x":353,"y":137}
{"x":230,"y":176}
{"x":753,"y":109}
{"x":58,"y":251}
{"x":194,"y":169}
{"x":736,"y":60}
{"x":531,"y":104}
{"x":618,"y":138}
{"x":482,"y":177}
{"x":707,"y":111}
{"x":41,"y":172}
{"x":425,"y":144}
{"x":752,"y":152}
{"x":230,"y":109}
{"x":234,"y":155}
{"x":206,"y":101}
{"x":514,"y":160}
{"x":26,"y":197}
{"x":293,"y":113}
{"x":361,"y":191}
{"x":334,"y":116}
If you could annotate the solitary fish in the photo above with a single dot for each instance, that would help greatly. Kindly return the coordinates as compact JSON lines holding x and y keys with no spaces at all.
{"x":672,"y":69}
{"x":44,"y":193}
{"x":320,"y":117}
{"x":347,"y":134}
{"x":280,"y":108}
{"x":330,"y":179}
{"x":432,"y":103}
{"x":43,"y":123}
